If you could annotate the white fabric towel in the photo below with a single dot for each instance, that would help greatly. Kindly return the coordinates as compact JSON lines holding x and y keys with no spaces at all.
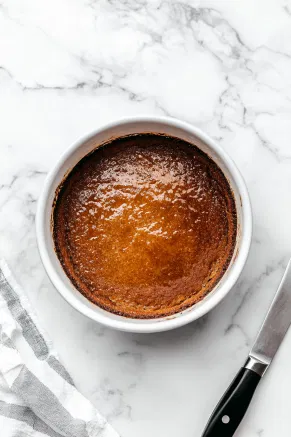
{"x":37,"y":395}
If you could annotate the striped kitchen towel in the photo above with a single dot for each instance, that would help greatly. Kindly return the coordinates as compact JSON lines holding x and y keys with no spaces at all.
{"x":37,"y":395}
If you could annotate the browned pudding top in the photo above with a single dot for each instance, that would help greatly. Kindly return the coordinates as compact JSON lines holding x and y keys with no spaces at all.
{"x":145,"y":226}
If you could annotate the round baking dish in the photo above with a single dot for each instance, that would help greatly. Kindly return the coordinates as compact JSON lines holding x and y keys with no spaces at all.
{"x":86,"y":144}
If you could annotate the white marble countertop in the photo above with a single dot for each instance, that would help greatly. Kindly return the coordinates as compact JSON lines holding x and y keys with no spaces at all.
{"x":68,"y":66}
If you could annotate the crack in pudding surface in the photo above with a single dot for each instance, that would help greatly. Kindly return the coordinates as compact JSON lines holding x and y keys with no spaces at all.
{"x":145,"y":226}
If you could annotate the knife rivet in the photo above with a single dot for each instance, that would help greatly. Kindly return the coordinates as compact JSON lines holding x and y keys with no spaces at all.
{"x":225,"y":419}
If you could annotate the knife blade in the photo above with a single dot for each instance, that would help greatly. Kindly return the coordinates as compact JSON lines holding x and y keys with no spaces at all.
{"x":232,"y":407}
{"x":276,"y":323}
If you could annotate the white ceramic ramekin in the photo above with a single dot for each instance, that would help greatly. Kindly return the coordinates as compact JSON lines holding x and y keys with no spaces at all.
{"x":81,"y":148}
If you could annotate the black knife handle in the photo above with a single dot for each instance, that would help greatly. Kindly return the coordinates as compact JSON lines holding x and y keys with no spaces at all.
{"x":232,"y":407}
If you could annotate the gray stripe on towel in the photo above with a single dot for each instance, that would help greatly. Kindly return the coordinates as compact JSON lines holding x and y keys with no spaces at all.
{"x":25,"y":414}
{"x":6,"y":340}
{"x":48,"y":407}
{"x":29,"y":329}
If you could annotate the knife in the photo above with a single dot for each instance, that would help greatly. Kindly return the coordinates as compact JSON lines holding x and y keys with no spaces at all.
{"x":232,"y":407}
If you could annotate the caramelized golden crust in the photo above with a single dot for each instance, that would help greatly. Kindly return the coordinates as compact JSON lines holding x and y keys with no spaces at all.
{"x":145,"y":226}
